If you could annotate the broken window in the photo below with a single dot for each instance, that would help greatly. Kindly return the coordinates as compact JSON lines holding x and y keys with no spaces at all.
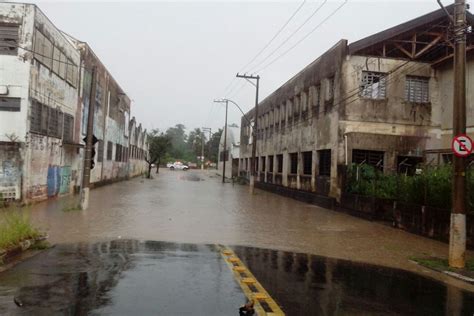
{"x":10,"y":104}
{"x":373,"y":85}
{"x":307,"y":162}
{"x":417,"y":89}
{"x":324,"y":162}
{"x":8,"y":39}
{"x":293,"y":163}
{"x":369,"y":157}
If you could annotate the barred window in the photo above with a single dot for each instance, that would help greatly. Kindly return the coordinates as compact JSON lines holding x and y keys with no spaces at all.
{"x":417,"y":89}
{"x":324,"y":162}
{"x":10,"y":104}
{"x":55,"y":123}
{"x":293,"y":163}
{"x":8,"y":39}
{"x":35,"y":121}
{"x":110,"y":147}
{"x":373,"y":85}
{"x":307,"y":162}
{"x":279,"y":163}
{"x":68,"y":131}
{"x":100,"y":151}
{"x":369,"y":157}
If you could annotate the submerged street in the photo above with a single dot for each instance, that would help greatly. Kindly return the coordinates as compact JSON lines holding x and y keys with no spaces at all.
{"x":143,"y":242}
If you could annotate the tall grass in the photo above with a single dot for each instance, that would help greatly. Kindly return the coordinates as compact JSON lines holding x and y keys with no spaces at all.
{"x":15,"y":227}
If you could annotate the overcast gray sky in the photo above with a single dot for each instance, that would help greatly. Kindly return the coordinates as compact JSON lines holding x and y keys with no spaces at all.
{"x":174,"y":58}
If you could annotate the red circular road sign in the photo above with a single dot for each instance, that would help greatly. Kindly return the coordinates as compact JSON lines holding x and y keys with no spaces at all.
{"x":462,"y":145}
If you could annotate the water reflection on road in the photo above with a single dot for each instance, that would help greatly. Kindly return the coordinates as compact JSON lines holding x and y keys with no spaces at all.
{"x":127,"y":277}
{"x":313,"y":285}
{"x":121,"y":278}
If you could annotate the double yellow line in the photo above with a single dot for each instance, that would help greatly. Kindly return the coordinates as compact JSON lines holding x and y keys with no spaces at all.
{"x":253,"y":290}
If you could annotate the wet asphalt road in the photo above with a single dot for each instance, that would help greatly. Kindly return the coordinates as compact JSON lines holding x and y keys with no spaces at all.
{"x":177,"y":274}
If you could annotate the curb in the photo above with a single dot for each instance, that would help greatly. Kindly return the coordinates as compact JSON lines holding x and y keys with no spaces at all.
{"x":24,"y":245}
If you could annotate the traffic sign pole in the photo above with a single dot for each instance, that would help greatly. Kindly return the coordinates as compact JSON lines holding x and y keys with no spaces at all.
{"x":457,"y":236}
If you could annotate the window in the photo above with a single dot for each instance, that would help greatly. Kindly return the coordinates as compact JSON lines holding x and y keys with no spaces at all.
{"x":279,"y":163}
{"x":68,"y":131}
{"x":100,"y":151}
{"x":56,"y":58}
{"x":110,"y":147}
{"x":43,"y":50}
{"x":10,"y":104}
{"x":293,"y":163}
{"x":70,"y":72}
{"x":118,"y":152}
{"x":307,"y":162}
{"x":8,"y":39}
{"x":407,"y":164}
{"x":270,"y":163}
{"x":369,"y":157}
{"x":324,"y":162}
{"x":263,"y":163}
{"x":373,"y":85}
{"x":55,"y":123}
{"x":417,"y":89}
{"x":62,"y":65}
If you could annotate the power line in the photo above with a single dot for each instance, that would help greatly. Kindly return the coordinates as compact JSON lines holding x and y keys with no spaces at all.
{"x":304,"y":37}
{"x":274,"y":36}
{"x":268,"y":44}
{"x":291,"y":35}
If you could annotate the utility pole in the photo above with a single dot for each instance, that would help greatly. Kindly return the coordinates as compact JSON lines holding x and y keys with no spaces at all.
{"x":225,"y":157}
{"x":88,"y":147}
{"x":255,"y":127}
{"x":457,"y":239}
{"x":202,"y":149}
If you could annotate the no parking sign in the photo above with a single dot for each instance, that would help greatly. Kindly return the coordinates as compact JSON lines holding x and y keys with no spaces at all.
{"x":462,"y":145}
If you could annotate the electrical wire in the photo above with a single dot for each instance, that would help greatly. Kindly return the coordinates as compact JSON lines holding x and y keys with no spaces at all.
{"x":304,"y":37}
{"x":290,"y":36}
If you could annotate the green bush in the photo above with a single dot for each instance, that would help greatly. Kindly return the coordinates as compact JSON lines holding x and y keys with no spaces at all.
{"x":15,"y":227}
{"x":433,"y":187}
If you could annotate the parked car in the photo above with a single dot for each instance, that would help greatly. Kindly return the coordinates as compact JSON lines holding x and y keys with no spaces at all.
{"x":178,"y":166}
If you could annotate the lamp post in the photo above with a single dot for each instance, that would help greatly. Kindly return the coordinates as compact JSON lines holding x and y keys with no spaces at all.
{"x":225,"y":137}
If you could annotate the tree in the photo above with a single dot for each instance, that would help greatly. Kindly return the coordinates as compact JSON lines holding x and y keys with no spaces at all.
{"x":158,"y":145}
{"x":177,"y":136}
{"x":213,"y":145}
{"x":194,"y":141}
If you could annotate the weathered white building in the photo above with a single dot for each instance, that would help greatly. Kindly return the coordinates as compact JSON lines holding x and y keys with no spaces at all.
{"x":231,"y":153}
{"x":384,"y":100}
{"x":43,"y":83}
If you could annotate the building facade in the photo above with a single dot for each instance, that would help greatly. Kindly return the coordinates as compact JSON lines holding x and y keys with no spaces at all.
{"x":44,"y":87}
{"x":385,"y":100}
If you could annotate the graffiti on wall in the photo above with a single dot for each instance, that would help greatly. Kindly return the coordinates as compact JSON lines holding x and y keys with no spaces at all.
{"x":65,"y":179}
{"x":59,"y":180}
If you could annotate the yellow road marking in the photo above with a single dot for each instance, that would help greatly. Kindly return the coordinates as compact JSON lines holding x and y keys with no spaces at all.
{"x":245,"y":279}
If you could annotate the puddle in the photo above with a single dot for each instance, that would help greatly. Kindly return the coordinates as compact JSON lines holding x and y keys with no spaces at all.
{"x":313,"y":285}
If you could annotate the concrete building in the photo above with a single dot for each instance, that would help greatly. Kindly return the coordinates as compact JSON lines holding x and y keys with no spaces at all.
{"x":231,"y":153}
{"x":383,"y":100}
{"x":44,"y":87}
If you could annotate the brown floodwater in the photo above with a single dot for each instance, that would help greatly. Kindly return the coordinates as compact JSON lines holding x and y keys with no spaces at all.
{"x":194,"y":206}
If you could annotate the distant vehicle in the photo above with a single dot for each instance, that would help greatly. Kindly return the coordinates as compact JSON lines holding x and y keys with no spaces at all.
{"x":169,"y":164}
{"x":178,"y":166}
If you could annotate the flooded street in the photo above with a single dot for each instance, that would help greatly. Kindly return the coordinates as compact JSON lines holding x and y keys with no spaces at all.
{"x":143,"y":243}
{"x":196,"y":207}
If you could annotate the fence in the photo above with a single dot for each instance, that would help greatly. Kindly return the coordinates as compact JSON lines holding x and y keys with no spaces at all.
{"x":420,"y":203}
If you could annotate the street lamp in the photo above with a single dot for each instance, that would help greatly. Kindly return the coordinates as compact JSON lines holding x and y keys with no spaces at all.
{"x":225,"y":137}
